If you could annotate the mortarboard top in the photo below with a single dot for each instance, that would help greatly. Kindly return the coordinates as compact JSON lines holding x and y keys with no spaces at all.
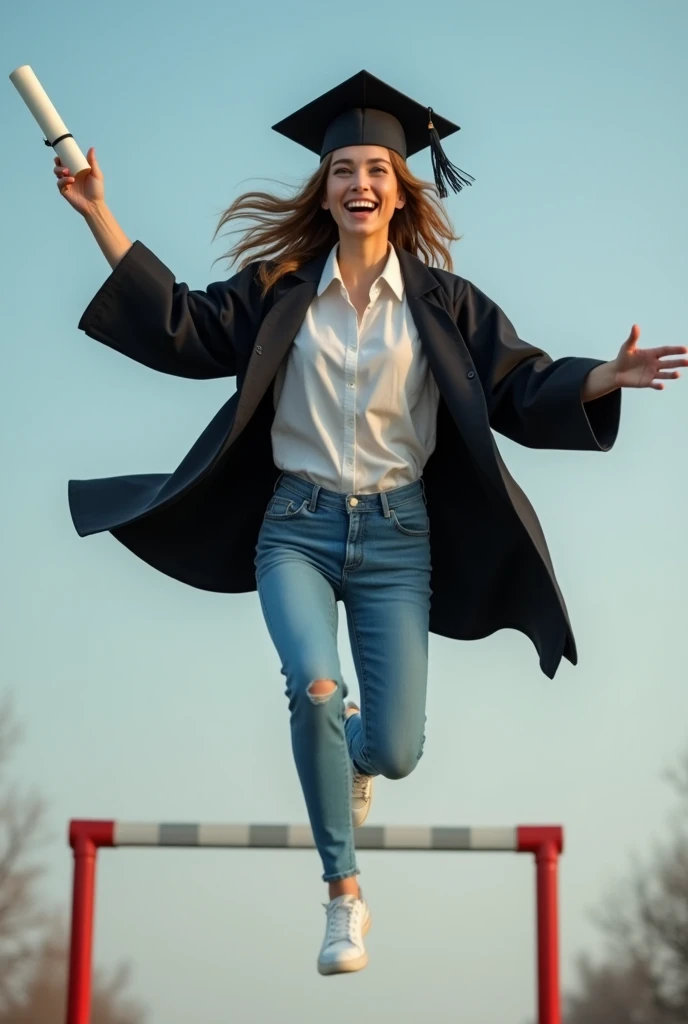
{"x":364,"y":110}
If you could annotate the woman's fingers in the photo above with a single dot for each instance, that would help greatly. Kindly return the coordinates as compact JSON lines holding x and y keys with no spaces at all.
{"x":63,"y":178}
{"x":667,"y":350}
{"x":93,"y":161}
{"x":670,"y":364}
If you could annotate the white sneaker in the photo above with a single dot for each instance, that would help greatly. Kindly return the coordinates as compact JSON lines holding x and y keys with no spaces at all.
{"x":361,"y":786}
{"x":348,"y":920}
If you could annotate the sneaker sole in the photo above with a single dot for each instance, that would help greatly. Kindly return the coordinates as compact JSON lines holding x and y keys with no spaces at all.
{"x":358,"y":817}
{"x":347,"y":966}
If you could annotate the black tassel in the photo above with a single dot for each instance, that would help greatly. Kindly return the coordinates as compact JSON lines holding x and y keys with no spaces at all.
{"x":446,"y":173}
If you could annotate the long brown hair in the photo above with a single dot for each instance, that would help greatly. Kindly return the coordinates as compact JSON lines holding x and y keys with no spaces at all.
{"x":288,"y":232}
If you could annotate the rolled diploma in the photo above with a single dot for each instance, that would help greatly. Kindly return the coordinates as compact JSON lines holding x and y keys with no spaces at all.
{"x":50,"y":122}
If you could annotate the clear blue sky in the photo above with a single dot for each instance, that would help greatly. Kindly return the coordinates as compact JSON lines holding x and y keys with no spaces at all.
{"x":145,"y":699}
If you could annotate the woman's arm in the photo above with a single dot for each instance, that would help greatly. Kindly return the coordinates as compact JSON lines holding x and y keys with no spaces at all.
{"x":634,"y":368}
{"x":599,"y":382}
{"x":107,"y":233}
{"x":144,"y":313}
{"x":532,"y":399}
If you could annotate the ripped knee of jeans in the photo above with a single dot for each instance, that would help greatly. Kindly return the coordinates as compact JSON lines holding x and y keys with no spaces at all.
{"x":321,"y":690}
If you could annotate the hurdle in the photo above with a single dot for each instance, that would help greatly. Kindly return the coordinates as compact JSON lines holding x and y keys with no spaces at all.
{"x":86,"y":837}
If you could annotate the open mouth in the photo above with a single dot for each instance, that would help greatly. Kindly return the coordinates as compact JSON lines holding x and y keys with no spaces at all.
{"x":361,"y":208}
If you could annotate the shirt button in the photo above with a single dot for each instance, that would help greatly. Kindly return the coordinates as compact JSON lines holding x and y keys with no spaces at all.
{"x":350,"y":383}
{"x":471,"y":374}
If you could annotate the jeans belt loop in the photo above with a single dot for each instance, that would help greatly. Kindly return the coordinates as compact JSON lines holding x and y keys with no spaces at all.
{"x":313,"y":503}
{"x":278,"y":481}
{"x":385,"y":504}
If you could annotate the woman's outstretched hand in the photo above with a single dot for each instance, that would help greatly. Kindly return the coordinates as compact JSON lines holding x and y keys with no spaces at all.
{"x":647,"y":367}
{"x":635,"y":368}
{"x":86,"y":192}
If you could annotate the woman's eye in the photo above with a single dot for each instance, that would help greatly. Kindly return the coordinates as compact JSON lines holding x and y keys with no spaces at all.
{"x":345,"y":170}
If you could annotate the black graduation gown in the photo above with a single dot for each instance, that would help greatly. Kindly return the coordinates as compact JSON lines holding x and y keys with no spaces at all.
{"x":199,"y":524}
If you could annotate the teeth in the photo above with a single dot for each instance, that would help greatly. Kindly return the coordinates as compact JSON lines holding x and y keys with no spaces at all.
{"x":360,"y":206}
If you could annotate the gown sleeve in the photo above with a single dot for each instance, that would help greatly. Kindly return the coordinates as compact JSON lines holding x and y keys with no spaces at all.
{"x":144,"y":313}
{"x":532,"y":399}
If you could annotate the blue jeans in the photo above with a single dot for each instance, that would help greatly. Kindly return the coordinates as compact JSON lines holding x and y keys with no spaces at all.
{"x":372,"y":552}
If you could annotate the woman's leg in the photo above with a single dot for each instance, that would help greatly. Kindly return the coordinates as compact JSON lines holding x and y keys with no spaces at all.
{"x":316,"y":546}
{"x":300,"y":610}
{"x":387,"y":599}
{"x":299,"y":605}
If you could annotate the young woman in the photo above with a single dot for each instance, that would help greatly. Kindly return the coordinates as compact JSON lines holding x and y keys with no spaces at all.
{"x":368,"y":381}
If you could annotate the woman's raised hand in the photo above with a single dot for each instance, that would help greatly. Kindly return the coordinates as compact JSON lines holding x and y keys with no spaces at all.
{"x":87,"y":191}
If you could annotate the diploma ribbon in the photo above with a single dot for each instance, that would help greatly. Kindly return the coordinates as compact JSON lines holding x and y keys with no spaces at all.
{"x":68,"y":135}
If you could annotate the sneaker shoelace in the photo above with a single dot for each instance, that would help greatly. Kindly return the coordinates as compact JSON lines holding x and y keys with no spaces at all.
{"x":341,"y":920}
{"x":361,"y":786}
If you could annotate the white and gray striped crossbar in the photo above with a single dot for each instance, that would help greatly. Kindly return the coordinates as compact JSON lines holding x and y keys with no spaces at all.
{"x":519,"y":839}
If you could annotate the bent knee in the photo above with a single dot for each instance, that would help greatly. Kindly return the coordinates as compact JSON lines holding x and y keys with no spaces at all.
{"x":396,"y":764}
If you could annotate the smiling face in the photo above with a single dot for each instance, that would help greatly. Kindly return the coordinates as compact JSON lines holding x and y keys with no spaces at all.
{"x":362,"y":190}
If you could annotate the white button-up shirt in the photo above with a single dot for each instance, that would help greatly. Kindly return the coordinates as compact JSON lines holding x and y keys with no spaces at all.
{"x":356,"y":405}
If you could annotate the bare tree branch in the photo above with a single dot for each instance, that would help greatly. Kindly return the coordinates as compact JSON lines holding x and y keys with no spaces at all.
{"x":644,"y":978}
{"x":33,"y":945}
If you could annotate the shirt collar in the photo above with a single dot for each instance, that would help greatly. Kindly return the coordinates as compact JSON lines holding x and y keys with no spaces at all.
{"x":391,"y":273}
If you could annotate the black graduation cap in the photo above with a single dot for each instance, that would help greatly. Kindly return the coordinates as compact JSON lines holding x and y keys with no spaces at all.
{"x":364,"y":110}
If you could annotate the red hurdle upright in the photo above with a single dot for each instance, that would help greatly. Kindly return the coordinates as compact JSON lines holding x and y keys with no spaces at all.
{"x":545,"y":842}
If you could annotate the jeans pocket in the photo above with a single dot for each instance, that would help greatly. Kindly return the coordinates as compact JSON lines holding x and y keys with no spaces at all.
{"x":282,"y":507}
{"x":411,"y":518}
